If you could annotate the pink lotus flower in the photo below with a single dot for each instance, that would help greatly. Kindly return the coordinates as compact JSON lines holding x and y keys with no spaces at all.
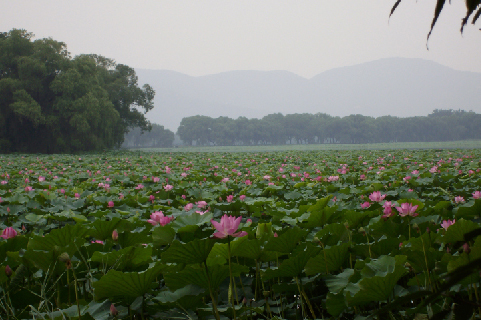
{"x":77,"y":195}
{"x":458,"y":199}
{"x":201,"y":212}
{"x":248,"y":182}
{"x":225,"y":180}
{"x":40,"y":178}
{"x":333,"y":178}
{"x":151,"y":197}
{"x":8,"y":233}
{"x":241,"y":197}
{"x":447,"y":223}
{"x":155,"y":179}
{"x":188,"y":206}
{"x":139,"y":186}
{"x":387,"y":210}
{"x":407,"y":209}
{"x":267,"y":177}
{"x":230,"y":198}
{"x":365,"y":205}
{"x":201,"y":204}
{"x":362,"y":177}
{"x":27,"y":189}
{"x":159,"y":218}
{"x":376,"y":196}
{"x":110,"y":204}
{"x":97,"y":241}
{"x":433,"y":169}
{"x":477,"y":194}
{"x":115,"y":235}
{"x":168,"y":187}
{"x":407,"y":178}
{"x":227,"y":227}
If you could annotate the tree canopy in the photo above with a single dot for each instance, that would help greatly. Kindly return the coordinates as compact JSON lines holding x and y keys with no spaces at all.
{"x":473,"y":10}
{"x":51,"y":102}
{"x":440,"y":125}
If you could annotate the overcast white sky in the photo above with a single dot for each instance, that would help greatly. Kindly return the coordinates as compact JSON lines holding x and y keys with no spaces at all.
{"x":199,"y":37}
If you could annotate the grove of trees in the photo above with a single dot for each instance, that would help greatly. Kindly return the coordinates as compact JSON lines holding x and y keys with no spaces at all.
{"x":51,"y":102}
{"x":158,"y":137}
{"x":441,"y":125}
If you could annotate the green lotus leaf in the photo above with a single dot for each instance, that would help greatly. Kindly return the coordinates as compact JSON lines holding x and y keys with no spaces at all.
{"x":336,"y":283}
{"x":287,"y":241}
{"x":193,"y":219}
{"x":196,"y":275}
{"x":126,"y":286}
{"x":163,"y":235}
{"x":68,"y":239}
{"x":127,"y":258}
{"x":293,"y":195}
{"x":328,"y":260}
{"x":457,"y":231}
{"x":102,"y":230}
{"x":335,"y":303}
{"x":243,"y":247}
{"x":293,"y":266}
{"x":129,"y":239}
{"x":195,"y":251}
{"x":332,"y":233}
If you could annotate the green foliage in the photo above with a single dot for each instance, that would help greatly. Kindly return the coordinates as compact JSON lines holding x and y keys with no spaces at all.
{"x":310,"y":250}
{"x":51,"y":103}
{"x":277,"y":129}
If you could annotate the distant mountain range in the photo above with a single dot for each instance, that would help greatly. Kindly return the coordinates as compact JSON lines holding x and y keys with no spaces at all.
{"x":394,"y":86}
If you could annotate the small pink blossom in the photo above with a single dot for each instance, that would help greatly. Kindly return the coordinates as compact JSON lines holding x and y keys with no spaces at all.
{"x":227,"y":227}
{"x":168,"y":187}
{"x":201,"y":212}
{"x":407,"y":209}
{"x":447,"y":223}
{"x":110,"y":204}
{"x":139,"y":186}
{"x":477,"y":194}
{"x":248,"y":182}
{"x":159,"y":218}
{"x":362,"y":177}
{"x":365,"y":205}
{"x":230,"y":198}
{"x":77,"y":195}
{"x":201,"y":204}
{"x":333,"y":178}
{"x":241,"y":197}
{"x":459,"y":199}
{"x":188,"y":206}
{"x":376,"y":196}
{"x":8,"y":233}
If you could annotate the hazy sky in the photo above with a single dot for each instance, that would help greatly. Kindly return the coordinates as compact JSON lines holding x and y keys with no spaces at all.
{"x":201,"y":37}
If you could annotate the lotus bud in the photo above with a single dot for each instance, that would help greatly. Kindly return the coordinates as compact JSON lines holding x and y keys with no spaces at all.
{"x":64,"y":257}
{"x":113,"y":310}
{"x":115,"y":235}
{"x":466,"y":248}
{"x":8,"y":271}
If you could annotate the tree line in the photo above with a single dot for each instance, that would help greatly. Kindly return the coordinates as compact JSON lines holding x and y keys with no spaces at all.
{"x":440,"y":125}
{"x":157,"y":137}
{"x":52,"y":103}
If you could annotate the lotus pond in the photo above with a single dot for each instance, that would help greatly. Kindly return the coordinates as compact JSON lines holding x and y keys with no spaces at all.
{"x":280,"y":235}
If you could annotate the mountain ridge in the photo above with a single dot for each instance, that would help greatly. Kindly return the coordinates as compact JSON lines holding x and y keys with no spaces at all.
{"x":400,"y":87}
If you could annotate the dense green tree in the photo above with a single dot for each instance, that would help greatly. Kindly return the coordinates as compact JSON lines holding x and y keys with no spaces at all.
{"x":51,"y":102}
{"x":441,"y":125}
{"x":157,"y":137}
